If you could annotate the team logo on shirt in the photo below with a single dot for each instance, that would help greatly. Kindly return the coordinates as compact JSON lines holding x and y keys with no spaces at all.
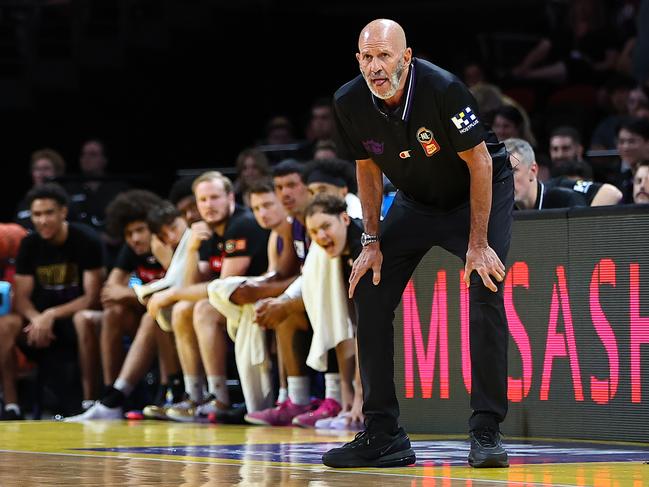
{"x":216,"y":262}
{"x":373,"y":146}
{"x":299,"y":249}
{"x":427,"y":141}
{"x":465,"y":120}
{"x":582,"y":186}
{"x":235,"y":245}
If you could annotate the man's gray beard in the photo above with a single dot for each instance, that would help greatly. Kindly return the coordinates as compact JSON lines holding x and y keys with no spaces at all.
{"x":394,"y":82}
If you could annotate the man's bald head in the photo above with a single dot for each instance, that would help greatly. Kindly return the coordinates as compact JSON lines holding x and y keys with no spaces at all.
{"x":383,"y":30}
{"x":384,"y":57}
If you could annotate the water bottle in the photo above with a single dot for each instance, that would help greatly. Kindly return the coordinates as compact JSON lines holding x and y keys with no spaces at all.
{"x":5,"y":297}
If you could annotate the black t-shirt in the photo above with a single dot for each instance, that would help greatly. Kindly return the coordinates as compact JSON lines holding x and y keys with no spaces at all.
{"x":556,"y":197}
{"x":145,"y":267}
{"x":242,"y":237}
{"x":90,"y":203}
{"x":58,"y":269}
{"x":416,"y":145}
{"x":588,"y":189}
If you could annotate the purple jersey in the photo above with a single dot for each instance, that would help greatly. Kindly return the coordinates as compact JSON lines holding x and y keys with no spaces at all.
{"x":301,"y":241}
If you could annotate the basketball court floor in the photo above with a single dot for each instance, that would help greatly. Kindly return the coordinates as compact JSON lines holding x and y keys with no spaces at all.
{"x":148,"y":453}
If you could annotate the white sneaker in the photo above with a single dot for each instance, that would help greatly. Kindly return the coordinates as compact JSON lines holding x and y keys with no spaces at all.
{"x":87,"y":404}
{"x":97,"y":411}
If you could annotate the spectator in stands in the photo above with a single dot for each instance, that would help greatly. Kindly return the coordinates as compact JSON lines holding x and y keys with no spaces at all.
{"x":334,"y":176}
{"x":11,"y":234}
{"x":252,"y":165}
{"x":279,"y":140}
{"x":473,"y":74}
{"x":279,"y":131}
{"x":641,"y":183}
{"x":582,"y":52}
{"x":122,"y":314}
{"x":46,"y":165}
{"x":638,"y":100}
{"x":92,"y":194}
{"x":325,"y":149}
{"x":508,"y":122}
{"x":59,"y":271}
{"x":529,"y":192}
{"x":166,"y":223}
{"x":182,"y":197}
{"x":617,"y":95}
{"x":321,"y":123}
{"x":565,"y":145}
{"x":227,"y":242}
{"x":633,"y":147}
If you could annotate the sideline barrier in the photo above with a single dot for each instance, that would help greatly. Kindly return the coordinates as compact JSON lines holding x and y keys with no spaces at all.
{"x":577,"y":300}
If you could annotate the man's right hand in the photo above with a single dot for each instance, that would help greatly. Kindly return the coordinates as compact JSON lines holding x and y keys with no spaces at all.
{"x":201,"y":231}
{"x":160,"y":300}
{"x":370,"y":257}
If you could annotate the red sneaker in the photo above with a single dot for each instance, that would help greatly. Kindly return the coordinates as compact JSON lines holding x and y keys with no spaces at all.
{"x":281,"y":415}
{"x":329,"y":408}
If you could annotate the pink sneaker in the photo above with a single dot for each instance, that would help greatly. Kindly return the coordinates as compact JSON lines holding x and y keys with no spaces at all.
{"x":282,"y":415}
{"x":329,"y":408}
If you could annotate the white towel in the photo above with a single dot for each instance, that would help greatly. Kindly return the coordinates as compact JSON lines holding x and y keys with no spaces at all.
{"x":326,"y":302}
{"x":354,"y":208}
{"x":249,"y":339}
{"x":173,"y":277}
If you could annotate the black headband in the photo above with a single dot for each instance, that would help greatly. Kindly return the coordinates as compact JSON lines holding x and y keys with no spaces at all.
{"x":318,"y":176}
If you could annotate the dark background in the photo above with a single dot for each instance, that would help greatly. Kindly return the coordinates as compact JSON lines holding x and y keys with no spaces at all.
{"x":188,"y":84}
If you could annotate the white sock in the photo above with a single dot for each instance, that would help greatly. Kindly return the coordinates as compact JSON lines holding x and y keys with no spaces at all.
{"x":217,"y":386}
{"x":194,"y":387}
{"x":123,"y":386}
{"x":298,"y":389}
{"x":283,"y":395}
{"x":332,"y":387}
{"x":12,"y":406}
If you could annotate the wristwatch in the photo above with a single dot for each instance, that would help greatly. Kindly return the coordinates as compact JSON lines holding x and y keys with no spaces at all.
{"x":367,"y":239}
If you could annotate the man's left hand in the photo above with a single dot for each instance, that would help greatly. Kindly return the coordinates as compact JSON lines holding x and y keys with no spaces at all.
{"x":270,"y":312}
{"x":486,"y":263}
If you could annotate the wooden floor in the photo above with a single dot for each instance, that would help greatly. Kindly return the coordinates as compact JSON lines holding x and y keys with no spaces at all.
{"x":147,"y":453}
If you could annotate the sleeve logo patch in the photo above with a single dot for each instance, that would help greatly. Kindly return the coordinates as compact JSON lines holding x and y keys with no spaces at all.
{"x":427,"y":141}
{"x":235,"y":245}
{"x":465,"y":120}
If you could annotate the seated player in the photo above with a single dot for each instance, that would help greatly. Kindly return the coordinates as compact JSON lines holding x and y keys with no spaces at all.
{"x":167,"y":225}
{"x":59,"y":271}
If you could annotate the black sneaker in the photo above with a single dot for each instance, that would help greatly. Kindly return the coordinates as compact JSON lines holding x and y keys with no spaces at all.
{"x":372,"y":449}
{"x":11,"y":415}
{"x":487,"y":450}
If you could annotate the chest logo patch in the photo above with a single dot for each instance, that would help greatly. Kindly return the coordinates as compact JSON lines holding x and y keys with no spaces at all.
{"x":373,"y":146}
{"x":427,"y":141}
{"x":404,"y":154}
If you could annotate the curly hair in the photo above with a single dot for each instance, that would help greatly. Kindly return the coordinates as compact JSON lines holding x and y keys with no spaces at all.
{"x":327,"y":204}
{"x":128,"y":207}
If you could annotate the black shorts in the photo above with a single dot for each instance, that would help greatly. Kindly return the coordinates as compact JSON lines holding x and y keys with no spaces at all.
{"x":65,"y":342}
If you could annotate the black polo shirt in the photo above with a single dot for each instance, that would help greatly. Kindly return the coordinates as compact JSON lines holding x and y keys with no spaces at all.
{"x":416,"y":145}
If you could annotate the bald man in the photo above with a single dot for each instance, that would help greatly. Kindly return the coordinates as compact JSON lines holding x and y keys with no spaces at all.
{"x":420,"y":126}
